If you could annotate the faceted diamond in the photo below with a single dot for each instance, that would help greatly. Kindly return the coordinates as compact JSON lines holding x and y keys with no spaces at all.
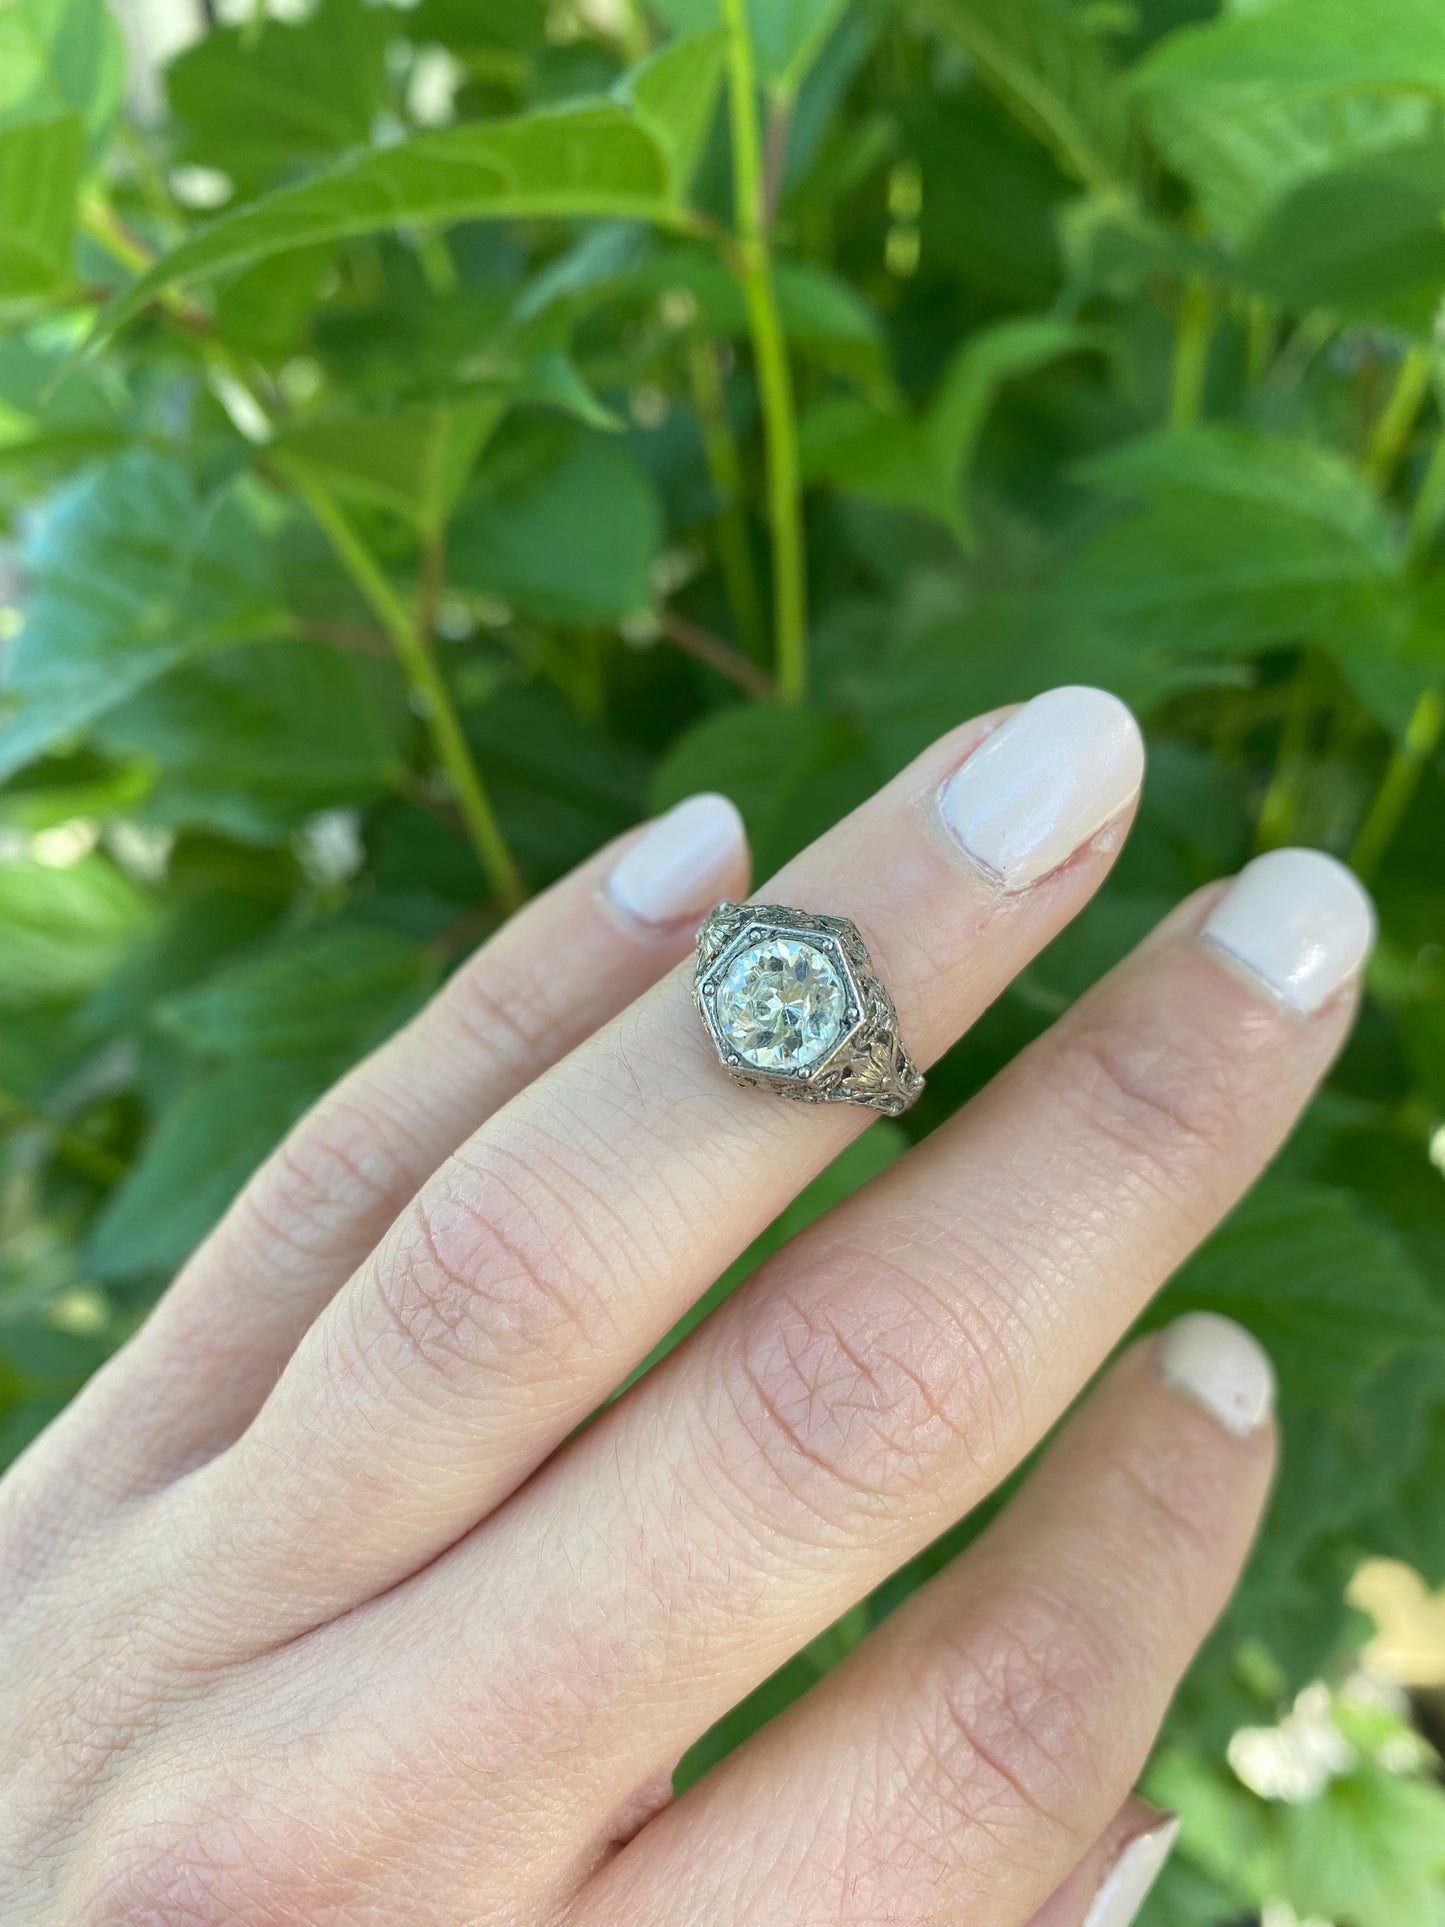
{"x":782,"y":1004}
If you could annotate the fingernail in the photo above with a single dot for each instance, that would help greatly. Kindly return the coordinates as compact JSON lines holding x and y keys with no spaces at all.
{"x":1221,"y":1367}
{"x":1299,"y":922}
{"x":683,"y":864}
{"x":1044,"y":783}
{"x":1126,"y":1885}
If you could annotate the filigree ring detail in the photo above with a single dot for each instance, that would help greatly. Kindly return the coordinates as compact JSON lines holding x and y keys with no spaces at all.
{"x":793,"y":1005}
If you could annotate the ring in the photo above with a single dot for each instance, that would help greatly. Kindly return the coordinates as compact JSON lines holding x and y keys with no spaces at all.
{"x":793,"y":1004}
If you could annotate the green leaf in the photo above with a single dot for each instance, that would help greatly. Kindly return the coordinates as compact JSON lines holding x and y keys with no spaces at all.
{"x":1238,"y":539}
{"x":791,"y":772}
{"x":257,"y":101}
{"x":131,"y":574}
{"x":254,"y":740}
{"x":1000,"y":648}
{"x":1243,"y":149}
{"x":827,"y":321}
{"x":675,"y":96}
{"x":189,"y":940}
{"x":589,"y":159}
{"x":562,"y":787}
{"x":40,"y":169}
{"x":62,"y":930}
{"x":1254,"y":103}
{"x":512,"y":28}
{"x":1045,"y":63}
{"x":925,"y":464}
{"x":1334,"y":1297}
{"x":1309,"y":46}
{"x":1365,"y":241}
{"x":335,"y":988}
{"x":1358,"y":1342}
{"x":206,"y":1144}
{"x":571,"y":533}
{"x":59,"y":57}
{"x":414,"y":461}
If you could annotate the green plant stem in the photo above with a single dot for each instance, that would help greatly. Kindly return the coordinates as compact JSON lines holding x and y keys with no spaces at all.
{"x":1428,"y":510}
{"x":725,"y":469}
{"x":101,"y":1166}
{"x":1280,"y":809}
{"x":1391,"y":433}
{"x":1195,"y":332}
{"x":414,"y":651}
{"x":775,"y":378}
{"x":1261,"y":330}
{"x":1401,"y":779}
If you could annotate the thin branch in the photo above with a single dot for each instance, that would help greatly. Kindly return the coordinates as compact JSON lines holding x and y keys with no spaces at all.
{"x":419,"y":664}
{"x":1391,"y":434}
{"x":754,"y":264}
{"x":1396,"y":793}
{"x":725,"y":470}
{"x":703,"y":646}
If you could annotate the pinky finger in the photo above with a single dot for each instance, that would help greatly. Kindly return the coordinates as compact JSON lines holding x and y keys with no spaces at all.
{"x":976,"y":1750}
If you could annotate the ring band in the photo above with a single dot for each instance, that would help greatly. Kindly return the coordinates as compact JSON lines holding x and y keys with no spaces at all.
{"x":793,"y":1005}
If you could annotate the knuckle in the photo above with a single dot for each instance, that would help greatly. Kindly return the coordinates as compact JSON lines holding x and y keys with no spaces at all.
{"x":847,"y":1400}
{"x":502,"y":1012}
{"x":1163,"y":1099}
{"x":1167,"y":1509}
{"x":330,"y":1171}
{"x":177,"y":1852}
{"x":1014,"y":1724}
{"x":484,"y":1274}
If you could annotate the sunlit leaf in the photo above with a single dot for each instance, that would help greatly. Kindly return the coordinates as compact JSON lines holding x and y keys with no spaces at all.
{"x":62,"y":928}
{"x":40,"y":169}
{"x":1052,"y":71}
{"x":598,"y":160}
{"x":256,"y":100}
{"x":58,"y":57}
{"x":414,"y":462}
{"x":131,"y":573}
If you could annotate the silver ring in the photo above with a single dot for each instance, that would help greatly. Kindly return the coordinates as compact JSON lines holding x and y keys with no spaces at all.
{"x":793,"y":1004}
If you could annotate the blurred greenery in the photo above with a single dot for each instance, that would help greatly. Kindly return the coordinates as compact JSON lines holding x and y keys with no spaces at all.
{"x":440,"y":433}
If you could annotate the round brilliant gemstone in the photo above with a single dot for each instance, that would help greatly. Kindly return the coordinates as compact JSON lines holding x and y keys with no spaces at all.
{"x":782,"y":1005}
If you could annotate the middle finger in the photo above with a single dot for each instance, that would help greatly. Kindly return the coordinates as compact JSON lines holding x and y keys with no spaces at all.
{"x":546,"y":1258}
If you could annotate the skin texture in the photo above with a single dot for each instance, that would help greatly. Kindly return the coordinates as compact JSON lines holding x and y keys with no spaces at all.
{"x":316,"y":1608}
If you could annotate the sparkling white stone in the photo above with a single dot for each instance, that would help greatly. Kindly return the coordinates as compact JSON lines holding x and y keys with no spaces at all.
{"x":782,"y":1005}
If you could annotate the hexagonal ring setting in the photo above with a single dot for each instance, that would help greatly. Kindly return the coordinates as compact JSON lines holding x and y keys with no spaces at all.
{"x":793,"y":1005}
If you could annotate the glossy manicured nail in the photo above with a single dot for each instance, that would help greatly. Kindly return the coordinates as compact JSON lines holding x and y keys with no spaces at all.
{"x":1044,"y":783}
{"x":1298,"y":921}
{"x":1126,"y":1884}
{"x":1222,"y":1368}
{"x":687,"y":860}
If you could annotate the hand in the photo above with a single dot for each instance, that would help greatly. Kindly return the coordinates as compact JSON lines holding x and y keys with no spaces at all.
{"x":314,"y":1611}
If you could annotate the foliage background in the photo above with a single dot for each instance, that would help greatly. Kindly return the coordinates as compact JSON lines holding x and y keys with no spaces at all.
{"x":446,"y":498}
